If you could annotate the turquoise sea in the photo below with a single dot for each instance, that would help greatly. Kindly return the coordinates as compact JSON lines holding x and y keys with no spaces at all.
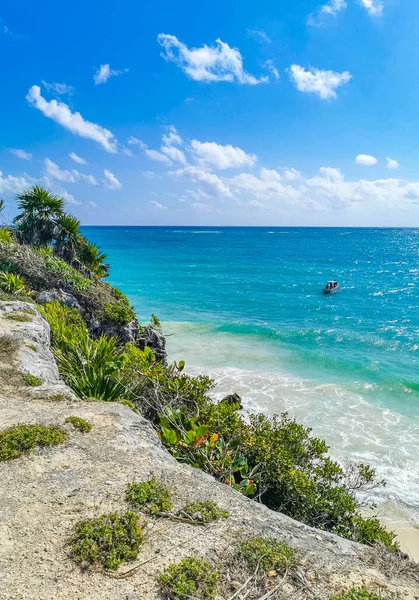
{"x":245,"y":305}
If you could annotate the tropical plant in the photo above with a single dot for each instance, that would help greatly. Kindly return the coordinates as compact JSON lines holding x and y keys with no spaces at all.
{"x":12,"y":284}
{"x":39,"y":211}
{"x":93,"y":259}
{"x":6,"y":236}
{"x":67,"y":325}
{"x":67,"y":237}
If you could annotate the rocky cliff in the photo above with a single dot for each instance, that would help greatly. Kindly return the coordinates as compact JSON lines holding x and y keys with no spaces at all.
{"x":45,"y":493}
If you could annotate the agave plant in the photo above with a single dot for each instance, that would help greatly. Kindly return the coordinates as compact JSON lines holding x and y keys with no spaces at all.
{"x":39,"y":212}
{"x":12,"y":284}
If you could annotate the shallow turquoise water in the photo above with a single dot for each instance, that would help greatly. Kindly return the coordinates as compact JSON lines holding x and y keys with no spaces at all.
{"x":245,"y":304}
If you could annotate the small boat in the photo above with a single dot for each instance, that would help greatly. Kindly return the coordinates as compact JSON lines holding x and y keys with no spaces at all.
{"x":331,"y":287}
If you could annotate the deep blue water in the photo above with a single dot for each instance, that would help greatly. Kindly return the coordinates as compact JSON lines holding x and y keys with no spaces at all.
{"x":246,"y":305}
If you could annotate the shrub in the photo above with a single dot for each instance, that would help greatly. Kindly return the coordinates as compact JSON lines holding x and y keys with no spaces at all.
{"x":191,"y":578}
{"x":360,"y":594}
{"x":59,"y":269}
{"x":67,"y":325}
{"x":32,"y":380}
{"x":6,"y":236}
{"x":205,"y":511}
{"x":13,"y":316}
{"x":20,"y":439}
{"x":117,"y":313}
{"x":107,"y":541}
{"x":267,"y":554}
{"x":151,"y":496}
{"x":12,"y":284}
{"x":79,"y":423}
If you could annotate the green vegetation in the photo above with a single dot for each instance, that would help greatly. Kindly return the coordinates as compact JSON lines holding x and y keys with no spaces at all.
{"x":360,"y":594}
{"x":267,"y":554}
{"x":191,"y":578}
{"x":20,"y":439}
{"x":108,"y":541}
{"x":151,"y":497}
{"x":205,"y":511}
{"x":117,"y":313}
{"x":79,"y":423}
{"x":12,"y":284}
{"x":13,"y":316}
{"x":31,"y":380}
{"x":67,"y":325}
{"x":6,"y":236}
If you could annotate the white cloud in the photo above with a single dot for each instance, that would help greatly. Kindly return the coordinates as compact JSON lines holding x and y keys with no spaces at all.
{"x":78,"y":159}
{"x":172,"y":137}
{"x":269,"y":184}
{"x":89,"y":178}
{"x":174,"y":154}
{"x":331,"y":8}
{"x":259,"y":35}
{"x":58,"y":88}
{"x":322,"y":83}
{"x":366,"y":159}
{"x":212,"y":155}
{"x":92,"y":204}
{"x":21,"y":154}
{"x":110,"y":181}
{"x":208,"y":183}
{"x":104,"y":73}
{"x":53,"y":171}
{"x":202,"y":207}
{"x":10,"y":184}
{"x":207,"y":63}
{"x":291,"y":174}
{"x":74,"y":122}
{"x":68,"y":197}
{"x":158,"y":205}
{"x":391,"y":163}
{"x":373,"y":7}
{"x":148,"y":174}
{"x":157,"y":156}
{"x":135,"y":141}
{"x":269,"y":64}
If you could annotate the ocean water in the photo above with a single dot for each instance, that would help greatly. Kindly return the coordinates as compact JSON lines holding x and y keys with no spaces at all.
{"x":245,"y":305}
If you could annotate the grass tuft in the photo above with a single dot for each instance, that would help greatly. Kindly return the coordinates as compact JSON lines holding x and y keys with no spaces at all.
{"x":205,"y":511}
{"x":21,"y":439}
{"x":191,"y":578}
{"x":150,"y":496}
{"x":108,"y":541}
{"x":17,"y":317}
{"x":361,"y":594}
{"x":267,"y":553}
{"x":79,"y":423}
{"x":32,"y":380}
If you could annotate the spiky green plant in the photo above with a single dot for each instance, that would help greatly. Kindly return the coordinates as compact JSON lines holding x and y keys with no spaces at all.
{"x":67,"y":238}
{"x":93,"y":259}
{"x":37,"y":219}
{"x":12,"y":284}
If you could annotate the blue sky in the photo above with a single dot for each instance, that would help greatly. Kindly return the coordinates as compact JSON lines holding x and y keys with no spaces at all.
{"x":226,"y":113}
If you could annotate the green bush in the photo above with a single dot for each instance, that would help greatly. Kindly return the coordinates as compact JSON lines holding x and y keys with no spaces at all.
{"x":12,"y":284}
{"x":117,"y":313}
{"x":205,"y":511}
{"x":108,"y":541}
{"x":59,"y":269}
{"x":67,"y":325}
{"x":32,"y":380}
{"x":191,"y":578}
{"x":267,"y":554}
{"x":20,"y":439}
{"x":360,"y":594}
{"x":6,"y":236}
{"x":150,"y":496}
{"x":79,"y":423}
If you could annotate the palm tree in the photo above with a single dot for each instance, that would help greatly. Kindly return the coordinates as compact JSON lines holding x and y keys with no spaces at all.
{"x":1,"y":204}
{"x":37,"y":221}
{"x":67,"y":237}
{"x":93,"y":259}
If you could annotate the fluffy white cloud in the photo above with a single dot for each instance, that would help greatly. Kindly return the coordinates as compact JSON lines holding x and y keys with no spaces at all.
{"x":74,"y":122}
{"x":212,"y":155}
{"x":322,"y":83}
{"x":104,"y":73}
{"x":259,"y":35}
{"x":21,"y":154}
{"x":157,"y":156}
{"x":174,"y":154}
{"x":269,"y":184}
{"x":12,"y":185}
{"x":366,"y":159}
{"x":58,"y":88}
{"x":135,"y":141}
{"x":207,"y":63}
{"x":373,"y":7}
{"x":391,"y":163}
{"x":208,"y":183}
{"x":78,"y":159}
{"x":269,"y":64}
{"x":53,"y":171}
{"x":110,"y":181}
{"x":172,"y":137}
{"x":331,"y":8}
{"x":89,"y":178}
{"x":158,"y":205}
{"x":68,"y":197}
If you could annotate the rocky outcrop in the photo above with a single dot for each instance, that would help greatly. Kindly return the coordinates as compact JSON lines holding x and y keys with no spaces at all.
{"x":44,"y":494}
{"x":131,"y":332}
